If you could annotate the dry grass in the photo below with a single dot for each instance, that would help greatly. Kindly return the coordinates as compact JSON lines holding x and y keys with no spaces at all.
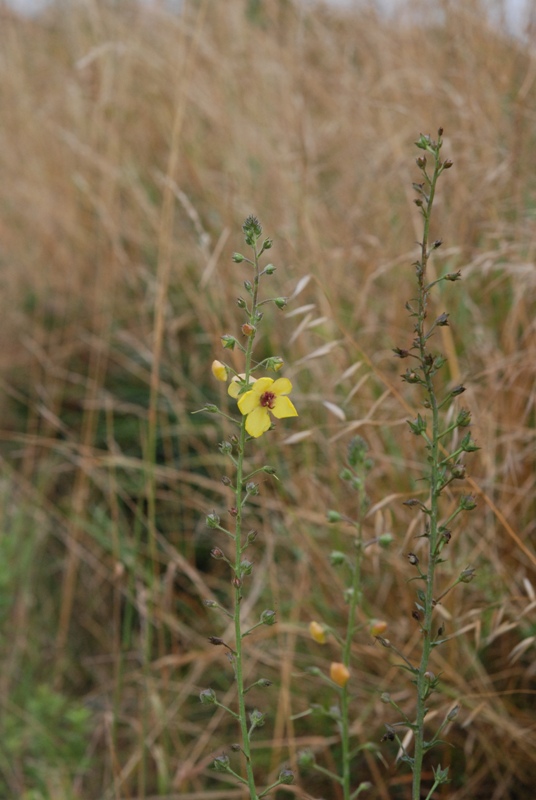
{"x":133,"y":144}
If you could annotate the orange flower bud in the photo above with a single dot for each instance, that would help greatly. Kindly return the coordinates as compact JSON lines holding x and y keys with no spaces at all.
{"x":317,"y":632}
{"x":339,"y":674}
{"x":377,"y":627}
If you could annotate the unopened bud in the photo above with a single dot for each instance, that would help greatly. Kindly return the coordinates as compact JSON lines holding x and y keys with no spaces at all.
{"x":246,"y":567}
{"x":318,"y":634}
{"x":221,"y":763}
{"x":219,"y":371}
{"x":228,"y":341}
{"x":385,"y":539}
{"x":464,"y":418}
{"x":467,"y":503}
{"x":247,"y":329}
{"x":238,"y":258}
{"x":286,"y":777}
{"x":306,"y":759}
{"x":268,"y":617}
{"x":337,"y":558}
{"x":377,"y":627}
{"x":467,"y":575}
{"x":339,"y":674}
{"x":257,"y":718}
{"x":207,"y":697}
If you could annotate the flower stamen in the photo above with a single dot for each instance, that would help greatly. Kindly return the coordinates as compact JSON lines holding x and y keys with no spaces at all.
{"x":268,"y":400}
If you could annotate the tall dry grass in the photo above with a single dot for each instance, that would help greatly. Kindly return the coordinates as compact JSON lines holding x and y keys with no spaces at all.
{"x":133,"y":144}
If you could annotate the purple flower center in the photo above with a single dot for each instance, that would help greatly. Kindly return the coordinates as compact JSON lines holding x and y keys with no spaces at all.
{"x":268,"y":400}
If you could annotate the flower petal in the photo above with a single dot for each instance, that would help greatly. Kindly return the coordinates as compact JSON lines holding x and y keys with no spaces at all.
{"x":257,"y":421}
{"x":282,"y":386}
{"x":262,"y":385}
{"x":249,"y":401}
{"x":283,"y":407}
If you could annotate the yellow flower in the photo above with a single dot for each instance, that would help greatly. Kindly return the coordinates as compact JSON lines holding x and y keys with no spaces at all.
{"x":317,"y":632}
{"x":339,"y":674}
{"x":266,"y":395}
{"x":219,"y":371}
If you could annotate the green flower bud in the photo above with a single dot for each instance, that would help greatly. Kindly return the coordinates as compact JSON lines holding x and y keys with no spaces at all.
{"x":207,"y":697}
{"x":228,"y":341}
{"x":464,"y":418}
{"x":334,"y":516}
{"x":281,"y":302}
{"x":268,"y":617}
{"x":221,"y":763}
{"x":467,"y":502}
{"x":252,"y":227}
{"x":385,"y":539}
{"x":212,"y":520}
{"x":467,"y":575}
{"x":246,"y":567}
{"x":336,"y":558}
{"x":306,"y":759}
{"x":418,"y":426}
{"x":286,"y":777}
{"x":257,"y":718}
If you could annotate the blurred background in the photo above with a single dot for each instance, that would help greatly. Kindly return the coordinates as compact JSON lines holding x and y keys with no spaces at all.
{"x":134,"y":140}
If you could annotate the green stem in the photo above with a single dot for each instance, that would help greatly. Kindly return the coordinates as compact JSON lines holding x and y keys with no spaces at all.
{"x":434,"y":458}
{"x":239,"y":504}
{"x":355,"y":598}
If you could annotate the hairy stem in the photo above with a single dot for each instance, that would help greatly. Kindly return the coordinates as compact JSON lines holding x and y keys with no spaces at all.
{"x":434,"y":477}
